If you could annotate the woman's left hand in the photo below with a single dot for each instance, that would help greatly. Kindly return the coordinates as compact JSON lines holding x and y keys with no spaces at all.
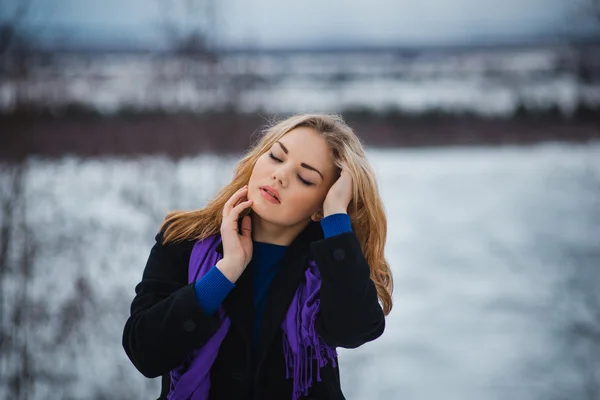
{"x":339,"y":194}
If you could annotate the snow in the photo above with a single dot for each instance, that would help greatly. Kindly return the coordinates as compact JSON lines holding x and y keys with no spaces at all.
{"x":492,"y":83}
{"x":475,"y":298}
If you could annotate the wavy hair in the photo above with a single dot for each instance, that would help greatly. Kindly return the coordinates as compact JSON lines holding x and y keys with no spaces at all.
{"x":366,"y":210}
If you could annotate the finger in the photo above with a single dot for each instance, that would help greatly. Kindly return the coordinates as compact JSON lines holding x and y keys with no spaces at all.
{"x":247,"y":226}
{"x":243,"y":198}
{"x":345,"y":170}
{"x":235,"y":212}
{"x":233,"y":200}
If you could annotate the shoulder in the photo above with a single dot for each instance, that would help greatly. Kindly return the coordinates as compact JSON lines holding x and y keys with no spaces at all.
{"x":170,"y":259}
{"x":174,"y":247}
{"x":181,"y":251}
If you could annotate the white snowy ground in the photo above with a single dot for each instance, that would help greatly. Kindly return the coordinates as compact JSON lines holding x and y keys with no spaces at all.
{"x":482,"y":82}
{"x":474,"y":311}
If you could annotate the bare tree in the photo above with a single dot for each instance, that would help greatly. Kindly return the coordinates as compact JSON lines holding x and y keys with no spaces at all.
{"x":191,"y":31}
{"x":17,"y":256}
{"x":15,"y":48}
{"x":21,"y":53}
{"x":24,"y":312}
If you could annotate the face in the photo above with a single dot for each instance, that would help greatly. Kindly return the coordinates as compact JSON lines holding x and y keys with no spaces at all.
{"x":299,"y":170}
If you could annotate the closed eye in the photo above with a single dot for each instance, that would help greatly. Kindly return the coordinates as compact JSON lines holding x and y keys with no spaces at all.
{"x":274,"y":158}
{"x":304,"y":181}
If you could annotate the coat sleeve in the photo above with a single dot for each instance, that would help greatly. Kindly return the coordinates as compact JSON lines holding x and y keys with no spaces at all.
{"x":350,"y":314}
{"x":166,"y":320}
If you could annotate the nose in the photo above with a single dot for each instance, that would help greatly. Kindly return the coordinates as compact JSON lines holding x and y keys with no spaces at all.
{"x":280,"y":175}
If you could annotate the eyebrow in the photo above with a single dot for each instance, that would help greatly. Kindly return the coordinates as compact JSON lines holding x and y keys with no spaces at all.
{"x":285,"y":150}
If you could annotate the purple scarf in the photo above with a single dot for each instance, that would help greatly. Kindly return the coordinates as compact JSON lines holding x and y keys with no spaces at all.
{"x":301,"y":344}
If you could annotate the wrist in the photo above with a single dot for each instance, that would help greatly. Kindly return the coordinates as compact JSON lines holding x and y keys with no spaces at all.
{"x":334,"y":210}
{"x":230,"y":270}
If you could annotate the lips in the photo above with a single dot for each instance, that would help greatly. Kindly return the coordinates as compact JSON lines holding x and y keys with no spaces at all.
{"x":270,"y":193}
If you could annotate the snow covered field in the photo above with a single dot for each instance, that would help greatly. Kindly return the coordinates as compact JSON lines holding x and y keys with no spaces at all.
{"x":488,"y":82}
{"x":472,"y":236}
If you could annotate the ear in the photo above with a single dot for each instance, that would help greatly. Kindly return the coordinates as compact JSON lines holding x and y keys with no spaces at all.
{"x":317,"y":216}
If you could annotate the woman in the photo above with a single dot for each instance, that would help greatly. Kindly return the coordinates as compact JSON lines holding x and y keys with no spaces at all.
{"x":249,"y":297}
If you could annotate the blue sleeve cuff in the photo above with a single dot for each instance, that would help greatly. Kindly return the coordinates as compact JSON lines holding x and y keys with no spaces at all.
{"x":335,"y":224}
{"x":212,"y":289}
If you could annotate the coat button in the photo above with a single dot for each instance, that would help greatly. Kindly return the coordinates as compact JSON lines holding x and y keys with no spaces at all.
{"x":339,"y":254}
{"x":189,"y":325}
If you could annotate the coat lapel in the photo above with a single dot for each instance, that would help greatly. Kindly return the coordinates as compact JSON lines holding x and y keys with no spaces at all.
{"x":284,"y":285}
{"x":238,"y":304}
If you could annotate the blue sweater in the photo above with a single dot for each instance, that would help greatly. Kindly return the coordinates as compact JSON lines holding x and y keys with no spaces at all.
{"x":213,"y":287}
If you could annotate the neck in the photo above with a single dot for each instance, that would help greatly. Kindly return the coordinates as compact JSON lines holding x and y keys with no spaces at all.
{"x":268,"y":232}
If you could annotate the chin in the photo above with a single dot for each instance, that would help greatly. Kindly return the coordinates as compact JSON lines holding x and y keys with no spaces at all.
{"x":260,"y":212}
{"x":264,"y":214}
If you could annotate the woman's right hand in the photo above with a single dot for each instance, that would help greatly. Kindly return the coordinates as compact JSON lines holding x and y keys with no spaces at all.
{"x":237,"y":249}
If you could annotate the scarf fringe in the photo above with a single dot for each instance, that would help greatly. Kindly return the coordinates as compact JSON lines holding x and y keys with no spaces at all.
{"x":310,"y":346}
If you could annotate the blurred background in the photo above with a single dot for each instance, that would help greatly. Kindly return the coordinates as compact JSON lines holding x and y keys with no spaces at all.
{"x":481,"y":119}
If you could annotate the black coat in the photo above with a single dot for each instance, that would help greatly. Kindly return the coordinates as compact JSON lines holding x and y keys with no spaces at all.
{"x":167,"y":321}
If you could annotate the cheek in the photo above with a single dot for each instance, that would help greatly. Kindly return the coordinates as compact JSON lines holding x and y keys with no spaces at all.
{"x":306,"y":200}
{"x":260,"y":169}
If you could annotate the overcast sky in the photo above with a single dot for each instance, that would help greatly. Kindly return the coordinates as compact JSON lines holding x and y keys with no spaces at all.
{"x":279,"y":23}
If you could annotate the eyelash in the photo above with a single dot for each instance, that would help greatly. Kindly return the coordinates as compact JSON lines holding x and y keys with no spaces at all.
{"x":304,"y":182}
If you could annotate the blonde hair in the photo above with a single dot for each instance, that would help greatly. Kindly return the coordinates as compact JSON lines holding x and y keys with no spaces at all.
{"x":366,"y":210}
